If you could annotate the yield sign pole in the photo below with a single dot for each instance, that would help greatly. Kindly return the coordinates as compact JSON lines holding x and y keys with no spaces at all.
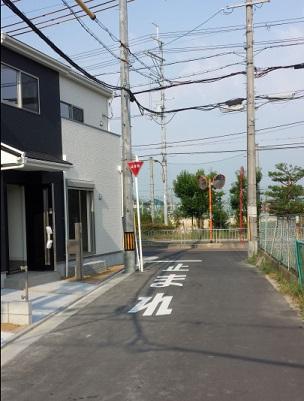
{"x":135,"y":166}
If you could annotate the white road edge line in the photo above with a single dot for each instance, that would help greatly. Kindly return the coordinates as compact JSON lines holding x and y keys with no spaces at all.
{"x":175,"y":261}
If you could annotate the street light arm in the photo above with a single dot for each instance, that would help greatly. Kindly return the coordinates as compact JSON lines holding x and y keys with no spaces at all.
{"x":162,"y":166}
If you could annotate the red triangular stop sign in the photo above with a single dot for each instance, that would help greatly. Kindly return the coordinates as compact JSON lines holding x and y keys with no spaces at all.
{"x":135,"y":166}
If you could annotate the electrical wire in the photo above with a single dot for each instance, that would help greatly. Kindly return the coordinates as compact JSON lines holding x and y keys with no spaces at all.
{"x":54,"y":21}
{"x":132,"y":94}
{"x":264,"y":148}
{"x":91,"y":33}
{"x":273,"y":127}
{"x":194,"y":29}
{"x":15,"y":9}
{"x":146,"y":38}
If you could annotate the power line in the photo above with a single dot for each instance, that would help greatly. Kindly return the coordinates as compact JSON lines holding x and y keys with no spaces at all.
{"x":91,"y":33}
{"x":11,"y":5}
{"x":52,"y":13}
{"x":53,"y":20}
{"x":45,"y":15}
{"x":194,"y":29}
{"x":279,"y":43}
{"x":106,"y":64}
{"x":170,"y":63}
{"x":264,"y":148}
{"x":259,"y":73}
{"x":222,"y":141}
{"x":226,"y":106}
{"x":146,"y":38}
{"x":273,"y":127}
{"x":112,"y":87}
{"x":209,"y":162}
{"x":112,"y":36}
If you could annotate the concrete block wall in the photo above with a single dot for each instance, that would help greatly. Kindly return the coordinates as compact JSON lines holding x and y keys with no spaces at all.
{"x":16,"y":312}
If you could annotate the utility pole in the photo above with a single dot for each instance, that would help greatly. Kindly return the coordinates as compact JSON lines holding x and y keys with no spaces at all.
{"x":128,"y":212}
{"x":152,"y":195}
{"x":163,"y":124}
{"x":127,"y":181}
{"x":251,"y":148}
{"x":164,"y":136}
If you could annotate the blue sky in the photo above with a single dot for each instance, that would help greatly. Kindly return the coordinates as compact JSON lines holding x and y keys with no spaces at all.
{"x":172,"y":17}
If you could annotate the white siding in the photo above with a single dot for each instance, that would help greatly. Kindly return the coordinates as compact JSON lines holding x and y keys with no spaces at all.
{"x":94,"y":105}
{"x":96,"y":156}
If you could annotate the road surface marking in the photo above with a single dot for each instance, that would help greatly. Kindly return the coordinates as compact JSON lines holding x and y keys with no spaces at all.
{"x":148,"y":258}
{"x":166,"y":281}
{"x":177,"y":268}
{"x":150,"y":306}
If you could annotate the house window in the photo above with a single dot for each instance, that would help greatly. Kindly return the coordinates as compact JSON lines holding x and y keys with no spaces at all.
{"x":71,"y":112}
{"x":9,"y":83}
{"x":81,"y":210}
{"x":19,"y":89}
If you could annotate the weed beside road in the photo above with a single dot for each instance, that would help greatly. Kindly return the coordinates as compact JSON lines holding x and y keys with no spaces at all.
{"x":289,"y":287}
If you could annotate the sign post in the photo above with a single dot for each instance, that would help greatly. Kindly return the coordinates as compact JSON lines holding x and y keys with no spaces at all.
{"x":241,"y":202}
{"x":135,"y":166}
{"x":210,"y":212}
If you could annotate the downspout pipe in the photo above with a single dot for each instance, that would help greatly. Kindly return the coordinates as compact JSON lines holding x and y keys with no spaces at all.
{"x":65,"y":225}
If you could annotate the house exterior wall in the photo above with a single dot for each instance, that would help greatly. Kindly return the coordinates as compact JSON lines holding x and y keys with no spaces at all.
{"x":97,"y":162}
{"x":30,"y":131}
{"x":94,"y":105}
{"x":33,"y":132}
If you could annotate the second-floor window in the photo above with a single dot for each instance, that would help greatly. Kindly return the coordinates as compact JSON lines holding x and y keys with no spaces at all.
{"x":19,"y":89}
{"x":71,"y":112}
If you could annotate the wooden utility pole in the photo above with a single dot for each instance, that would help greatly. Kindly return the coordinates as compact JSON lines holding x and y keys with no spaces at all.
{"x":128,"y":212}
{"x":128,"y":215}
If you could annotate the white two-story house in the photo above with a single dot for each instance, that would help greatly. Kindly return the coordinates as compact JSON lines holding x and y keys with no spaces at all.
{"x":59,"y":164}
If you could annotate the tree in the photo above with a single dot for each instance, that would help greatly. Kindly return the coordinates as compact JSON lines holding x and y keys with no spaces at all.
{"x":235,"y":195}
{"x":220,"y":215}
{"x":288,"y":197}
{"x":194,"y":202}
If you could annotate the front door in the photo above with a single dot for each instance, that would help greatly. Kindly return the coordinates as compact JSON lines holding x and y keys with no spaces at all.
{"x":16,"y":227}
{"x":40,"y":230}
{"x":48,"y":227}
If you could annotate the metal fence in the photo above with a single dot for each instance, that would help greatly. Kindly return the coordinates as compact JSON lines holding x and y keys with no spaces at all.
{"x":278,"y":235}
{"x":300,"y":261}
{"x":197,"y":235}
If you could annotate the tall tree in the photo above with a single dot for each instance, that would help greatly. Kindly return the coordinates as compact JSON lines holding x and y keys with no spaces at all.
{"x":194,"y":202}
{"x":235,"y":191}
{"x":288,"y":196}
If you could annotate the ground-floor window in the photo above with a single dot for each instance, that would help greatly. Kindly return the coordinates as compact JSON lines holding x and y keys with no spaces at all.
{"x":81,"y":210}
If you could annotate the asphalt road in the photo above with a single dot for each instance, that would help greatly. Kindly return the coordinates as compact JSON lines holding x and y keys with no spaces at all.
{"x":212,"y":328}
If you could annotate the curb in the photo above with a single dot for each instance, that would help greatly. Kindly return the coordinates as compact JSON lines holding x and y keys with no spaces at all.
{"x":60,"y":309}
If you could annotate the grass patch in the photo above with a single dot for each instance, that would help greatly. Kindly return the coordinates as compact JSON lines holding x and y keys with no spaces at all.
{"x":286,"y":286}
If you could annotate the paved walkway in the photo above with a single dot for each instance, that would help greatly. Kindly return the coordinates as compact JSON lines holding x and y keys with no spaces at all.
{"x":47,"y":299}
